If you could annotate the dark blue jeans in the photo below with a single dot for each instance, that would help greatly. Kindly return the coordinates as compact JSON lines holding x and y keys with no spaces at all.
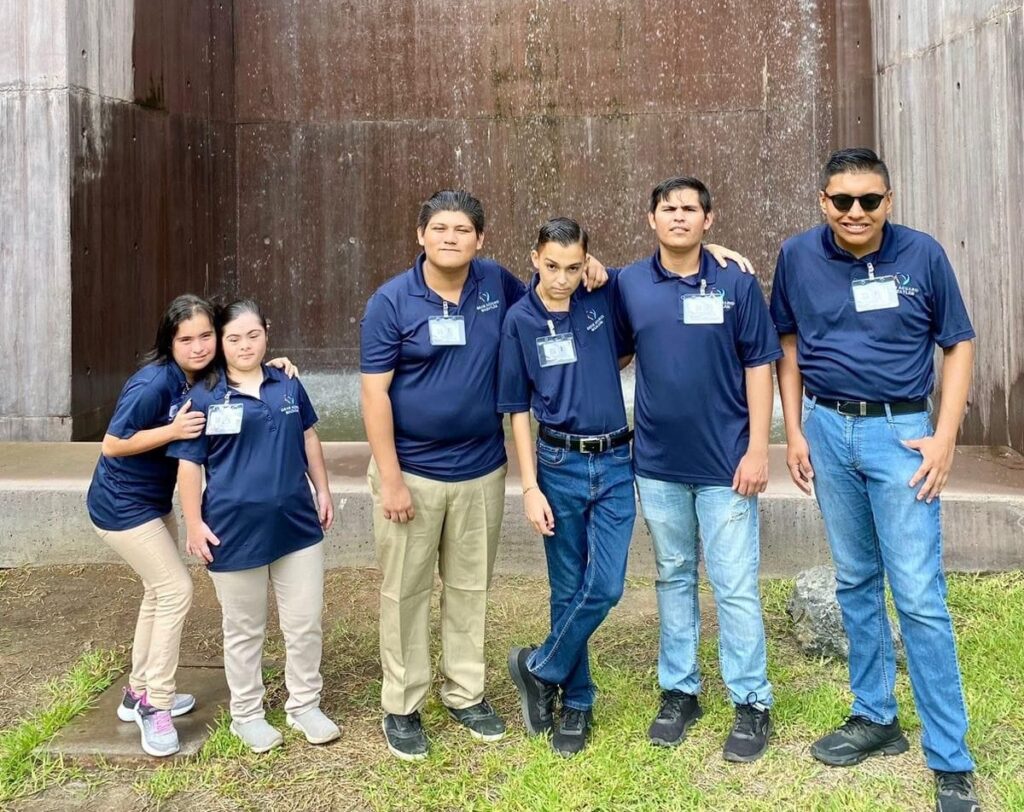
{"x":591,"y":497}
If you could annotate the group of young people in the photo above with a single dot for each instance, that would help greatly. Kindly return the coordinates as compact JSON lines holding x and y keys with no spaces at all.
{"x":455,"y":342}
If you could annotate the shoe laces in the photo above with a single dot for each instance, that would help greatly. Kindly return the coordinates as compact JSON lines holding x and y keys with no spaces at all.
{"x":855,"y":723}
{"x":955,"y":783}
{"x":573,"y":719}
{"x":672,"y":705}
{"x":748,"y":718}
{"x":162,"y":723}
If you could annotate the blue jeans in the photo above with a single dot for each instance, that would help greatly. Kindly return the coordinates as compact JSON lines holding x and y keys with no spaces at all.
{"x":876,"y":528}
{"x":591,"y":497}
{"x":727,"y":523}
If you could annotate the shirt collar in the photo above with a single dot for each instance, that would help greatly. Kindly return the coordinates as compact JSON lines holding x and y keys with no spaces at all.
{"x":886,"y":252}
{"x":708,"y":270}
{"x":418,"y":284}
{"x":176,"y":376}
{"x":220,"y":389}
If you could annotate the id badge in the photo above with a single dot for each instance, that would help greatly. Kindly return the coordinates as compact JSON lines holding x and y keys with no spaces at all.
{"x":447,"y":331}
{"x":224,"y":418}
{"x":704,"y":308}
{"x":875,"y":293}
{"x":556,"y":350}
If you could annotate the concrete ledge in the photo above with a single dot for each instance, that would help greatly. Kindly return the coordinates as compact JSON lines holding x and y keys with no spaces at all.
{"x":43,"y":519}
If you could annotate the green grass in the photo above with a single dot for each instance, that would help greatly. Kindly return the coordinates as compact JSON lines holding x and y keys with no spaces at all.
{"x":619,"y":770}
{"x":22,"y":769}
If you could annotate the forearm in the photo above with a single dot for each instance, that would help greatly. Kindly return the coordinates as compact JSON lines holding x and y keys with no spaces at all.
{"x":190,"y":491}
{"x":791,"y":385}
{"x":957,"y":366}
{"x":759,"y":404}
{"x":380,"y":433}
{"x":316,"y":465}
{"x":138,"y":443}
{"x":524,"y":449}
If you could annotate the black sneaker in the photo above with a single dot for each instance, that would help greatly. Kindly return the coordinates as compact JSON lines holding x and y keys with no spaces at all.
{"x":857,"y":739}
{"x":678,"y":712}
{"x":572,"y":731}
{"x":954,"y":792}
{"x":536,"y":696}
{"x":749,"y":736}
{"x":405,"y":736}
{"x":481,"y":720}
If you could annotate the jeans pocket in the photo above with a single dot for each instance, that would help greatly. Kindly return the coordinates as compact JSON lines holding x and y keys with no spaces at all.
{"x":550,"y":455}
{"x":910,"y":427}
{"x":622,"y":452}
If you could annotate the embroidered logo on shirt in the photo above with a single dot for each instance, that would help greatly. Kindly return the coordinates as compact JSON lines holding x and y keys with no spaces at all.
{"x":903,"y":285}
{"x":596,"y":319}
{"x":727,"y":304}
{"x":486,"y":303}
{"x":290,"y":406}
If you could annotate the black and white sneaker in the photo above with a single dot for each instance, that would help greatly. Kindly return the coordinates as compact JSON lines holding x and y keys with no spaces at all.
{"x":677,"y":714}
{"x":536,"y":697}
{"x":954,"y":792}
{"x":481,"y":720}
{"x":749,"y":736}
{"x":857,"y":739}
{"x":405,"y":736}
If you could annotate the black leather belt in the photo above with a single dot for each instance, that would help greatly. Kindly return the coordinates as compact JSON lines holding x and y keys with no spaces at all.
{"x":863,"y":408}
{"x":585,"y":444}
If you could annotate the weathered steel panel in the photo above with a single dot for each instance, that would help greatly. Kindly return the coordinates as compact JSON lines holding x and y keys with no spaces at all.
{"x":951,"y":86}
{"x":351,"y":113}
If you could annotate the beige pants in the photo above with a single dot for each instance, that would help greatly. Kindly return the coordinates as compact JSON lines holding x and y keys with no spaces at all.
{"x":151,"y":549}
{"x":298,"y":580}
{"x":457,"y":525}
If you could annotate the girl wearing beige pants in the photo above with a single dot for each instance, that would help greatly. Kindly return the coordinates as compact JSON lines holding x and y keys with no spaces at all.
{"x":258,"y":524}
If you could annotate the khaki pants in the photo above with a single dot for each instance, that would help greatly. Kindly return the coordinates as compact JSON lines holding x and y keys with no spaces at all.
{"x":298,"y":580}
{"x":151,"y":549}
{"x":457,"y":525}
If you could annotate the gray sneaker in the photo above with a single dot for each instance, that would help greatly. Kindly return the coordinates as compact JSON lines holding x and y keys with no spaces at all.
{"x":258,"y":735}
{"x":315,"y":726}
{"x":183,"y":703}
{"x":159,"y":738}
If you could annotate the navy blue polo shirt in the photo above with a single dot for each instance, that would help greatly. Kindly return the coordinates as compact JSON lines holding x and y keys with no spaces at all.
{"x":879,"y":355}
{"x":444,"y":399}
{"x":580,"y":398}
{"x":691,"y":416}
{"x":128,"y":491}
{"x":257,"y":499}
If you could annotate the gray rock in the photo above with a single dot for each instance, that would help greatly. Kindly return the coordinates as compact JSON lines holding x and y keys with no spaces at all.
{"x":817,"y":619}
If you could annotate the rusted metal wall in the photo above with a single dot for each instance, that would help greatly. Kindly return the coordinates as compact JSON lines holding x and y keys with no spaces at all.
{"x":152,"y":181}
{"x":951,"y":102}
{"x":349,"y":114}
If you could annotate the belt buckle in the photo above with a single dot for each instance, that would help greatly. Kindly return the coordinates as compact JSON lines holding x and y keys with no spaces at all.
{"x":861,"y":407}
{"x":592,"y":445}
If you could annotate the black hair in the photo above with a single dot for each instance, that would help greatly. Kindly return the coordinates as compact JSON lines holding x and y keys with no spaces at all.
{"x":563,"y":230}
{"x":452,"y":200}
{"x":181,"y":309}
{"x":227,"y":314}
{"x":856,"y":159}
{"x":667,"y":187}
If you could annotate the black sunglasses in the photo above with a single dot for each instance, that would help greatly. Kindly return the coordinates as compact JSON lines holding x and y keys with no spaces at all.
{"x":868,"y":202}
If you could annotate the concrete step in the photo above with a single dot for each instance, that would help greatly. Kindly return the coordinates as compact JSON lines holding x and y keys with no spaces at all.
{"x":43,"y":518}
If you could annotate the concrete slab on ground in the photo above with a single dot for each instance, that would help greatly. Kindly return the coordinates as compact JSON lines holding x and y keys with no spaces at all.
{"x":98,"y":736}
{"x":43,"y":520}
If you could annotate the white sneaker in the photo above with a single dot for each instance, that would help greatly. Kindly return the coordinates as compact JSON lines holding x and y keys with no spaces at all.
{"x":183,"y":703}
{"x":316,"y":727}
{"x":159,"y":738}
{"x":258,"y":734}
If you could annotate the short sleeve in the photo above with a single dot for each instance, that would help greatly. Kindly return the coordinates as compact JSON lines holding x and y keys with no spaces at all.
{"x":513,"y":288}
{"x":380,"y":337}
{"x":141,"y":406}
{"x":513,"y":377}
{"x":306,"y":411}
{"x":781,"y":309}
{"x":624,"y":343}
{"x":757,"y":340}
{"x":950,"y":322}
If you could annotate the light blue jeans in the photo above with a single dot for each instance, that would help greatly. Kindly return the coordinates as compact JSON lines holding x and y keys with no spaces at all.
{"x":727,"y":523}
{"x":877,"y":528}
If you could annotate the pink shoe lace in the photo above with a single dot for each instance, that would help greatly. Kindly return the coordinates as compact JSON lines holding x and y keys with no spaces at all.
{"x":162,"y":722}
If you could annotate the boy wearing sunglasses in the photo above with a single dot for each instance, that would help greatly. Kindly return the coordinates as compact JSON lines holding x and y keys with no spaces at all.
{"x":860,"y":304}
